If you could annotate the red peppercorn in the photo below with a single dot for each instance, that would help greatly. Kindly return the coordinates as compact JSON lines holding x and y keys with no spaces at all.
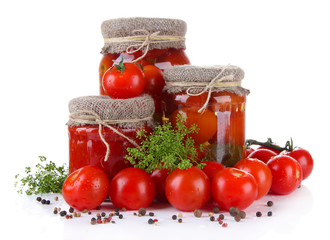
{"x":225,"y":225}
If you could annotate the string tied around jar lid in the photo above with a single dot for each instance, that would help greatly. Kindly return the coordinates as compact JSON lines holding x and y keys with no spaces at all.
{"x":90,"y":117}
{"x":142,"y":42}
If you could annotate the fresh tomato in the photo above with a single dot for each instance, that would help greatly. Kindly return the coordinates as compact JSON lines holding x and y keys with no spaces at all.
{"x":159,"y":177}
{"x":86,"y":188}
{"x":124,"y":80}
{"x":304,"y":158}
{"x":287,"y":174}
{"x":232,"y":187}
{"x":187,"y":189}
{"x":211,"y":168}
{"x":248,"y":151}
{"x":262,"y":154}
{"x":206,"y":122}
{"x":132,"y":188}
{"x":269,"y":148}
{"x":154,"y":80}
{"x":259,"y":171}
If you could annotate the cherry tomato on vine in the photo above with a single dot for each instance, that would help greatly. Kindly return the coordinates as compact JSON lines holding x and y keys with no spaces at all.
{"x":132,"y":188}
{"x":159,"y":177}
{"x":124,"y":80}
{"x":304,"y":158}
{"x":287,"y":174}
{"x":232,"y":187}
{"x":259,"y":171}
{"x":154,"y":80}
{"x":187,"y":189}
{"x":211,"y":168}
{"x":262,"y":154}
{"x":206,"y":122}
{"x":86,"y":188}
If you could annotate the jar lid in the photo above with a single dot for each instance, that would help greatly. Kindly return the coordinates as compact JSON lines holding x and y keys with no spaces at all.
{"x":209,"y":78}
{"x":125,"y":113}
{"x":122,"y":33}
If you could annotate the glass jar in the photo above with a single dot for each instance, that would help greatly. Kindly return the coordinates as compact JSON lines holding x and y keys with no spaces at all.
{"x":106,"y":148}
{"x":218,"y":110}
{"x":147,"y":41}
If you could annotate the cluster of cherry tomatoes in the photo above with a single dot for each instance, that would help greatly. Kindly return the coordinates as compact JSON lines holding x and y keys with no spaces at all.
{"x":261,"y":172}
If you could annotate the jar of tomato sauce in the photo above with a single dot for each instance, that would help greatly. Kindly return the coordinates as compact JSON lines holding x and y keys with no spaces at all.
{"x":147,"y":41}
{"x":101,"y":129}
{"x":213,"y":99}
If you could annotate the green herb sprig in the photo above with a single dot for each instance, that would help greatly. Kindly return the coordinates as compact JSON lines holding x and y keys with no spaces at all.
{"x":166,"y":147}
{"x":47,"y":178}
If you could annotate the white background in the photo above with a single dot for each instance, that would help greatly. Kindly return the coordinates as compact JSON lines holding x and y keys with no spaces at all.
{"x":49,"y":53}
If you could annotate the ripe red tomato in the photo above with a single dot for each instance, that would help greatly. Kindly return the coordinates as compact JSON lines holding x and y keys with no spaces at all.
{"x":211,"y":168}
{"x":159,"y":177}
{"x":206,"y":122}
{"x":287,"y":174}
{"x":124,"y":80}
{"x":248,"y":151}
{"x":304,"y":158}
{"x":86,"y":188}
{"x":154,"y":80}
{"x":132,"y":188}
{"x":187,"y":189}
{"x":259,"y":171}
{"x":262,"y":154}
{"x":272,"y":149}
{"x":232,"y":187}
{"x":174,"y":57}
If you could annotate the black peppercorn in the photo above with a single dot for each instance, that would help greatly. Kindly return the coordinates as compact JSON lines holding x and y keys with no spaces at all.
{"x":216,"y":210}
{"x":212,"y":218}
{"x":270,"y":203}
{"x":174,"y":217}
{"x":120,"y":216}
{"x":43,"y":201}
{"x":242,"y":214}
{"x":258,"y":214}
{"x":233,"y":211}
{"x":103,"y":214}
{"x":71,"y":209}
{"x":142,"y":211}
{"x":269,"y":214}
{"x":116,"y":209}
{"x":62,"y":213}
{"x":180,"y":220}
{"x":38,"y":199}
{"x":237,"y":218}
{"x":151,"y":214}
{"x":198,"y":213}
{"x":150,"y":221}
{"x":47,"y":202}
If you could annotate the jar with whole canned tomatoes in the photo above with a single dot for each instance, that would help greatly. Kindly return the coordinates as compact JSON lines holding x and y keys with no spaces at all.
{"x":101,"y":129}
{"x":150,"y":42}
{"x":213,"y":99}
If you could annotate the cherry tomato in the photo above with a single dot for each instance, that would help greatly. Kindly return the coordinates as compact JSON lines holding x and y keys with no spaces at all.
{"x":263,"y":155}
{"x":124,"y":80}
{"x":159,"y":177}
{"x":206,"y":122}
{"x":106,"y":63}
{"x":248,"y":151}
{"x":211,"y":168}
{"x":187,"y":189}
{"x":304,"y":158}
{"x":174,"y":57}
{"x":86,"y":188}
{"x":232,"y":187}
{"x":154,"y":80}
{"x":272,"y":149}
{"x":287,"y":174}
{"x":259,"y":171}
{"x":132,"y":188}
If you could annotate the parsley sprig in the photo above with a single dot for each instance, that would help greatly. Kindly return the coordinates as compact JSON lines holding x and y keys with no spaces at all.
{"x":46,"y":178}
{"x":166,"y":147}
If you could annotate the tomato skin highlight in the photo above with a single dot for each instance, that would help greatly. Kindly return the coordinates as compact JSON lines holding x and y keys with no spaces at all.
{"x":187,"y":189}
{"x":261,"y":173}
{"x":232,"y":187}
{"x":304,"y":158}
{"x":126,"y":84}
{"x":287,"y":174}
{"x":132,"y":188}
{"x":262,"y":154}
{"x":86,"y":188}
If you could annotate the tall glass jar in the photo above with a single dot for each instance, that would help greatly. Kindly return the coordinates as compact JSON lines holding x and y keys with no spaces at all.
{"x":211,"y":98}
{"x":147,"y":41}
{"x":101,"y":129}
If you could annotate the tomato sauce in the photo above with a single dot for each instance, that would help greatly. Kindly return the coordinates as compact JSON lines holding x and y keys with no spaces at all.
{"x":87,"y":148}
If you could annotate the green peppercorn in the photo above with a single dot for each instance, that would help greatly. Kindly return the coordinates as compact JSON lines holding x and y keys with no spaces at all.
{"x":198,"y":213}
{"x":242,"y":214}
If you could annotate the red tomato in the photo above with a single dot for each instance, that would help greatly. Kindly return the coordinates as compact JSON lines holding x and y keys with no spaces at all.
{"x":248,"y":151}
{"x":287,"y":174}
{"x":187,"y":189}
{"x":174,"y":57}
{"x":304,"y":158}
{"x":154,"y":80}
{"x":272,"y":149}
{"x":206,"y":122}
{"x":124,"y":80}
{"x":132,"y":188}
{"x":159,"y":177}
{"x":263,"y":155}
{"x":211,"y":168}
{"x":86,"y":188}
{"x":259,"y":171}
{"x":232,"y":187}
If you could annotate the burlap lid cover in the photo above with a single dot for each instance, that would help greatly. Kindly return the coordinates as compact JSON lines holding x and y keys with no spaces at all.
{"x":119,"y":33}
{"x":199,"y":78}
{"x":125,"y":113}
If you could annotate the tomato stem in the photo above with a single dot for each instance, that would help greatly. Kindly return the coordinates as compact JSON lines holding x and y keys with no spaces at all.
{"x":269,"y":143}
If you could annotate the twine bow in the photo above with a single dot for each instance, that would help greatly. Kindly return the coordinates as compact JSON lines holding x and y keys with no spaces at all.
{"x":90,"y":117}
